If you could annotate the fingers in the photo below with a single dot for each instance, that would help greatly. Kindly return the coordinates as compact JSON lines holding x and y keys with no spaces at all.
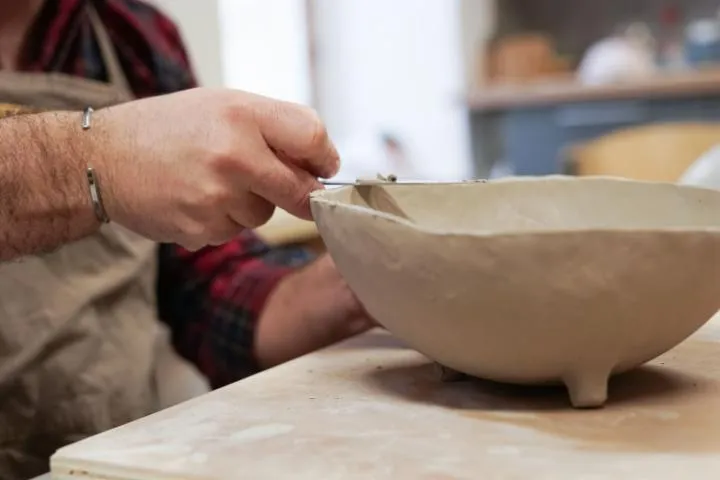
{"x":281,"y":184}
{"x":199,"y":234}
{"x":251,"y":210}
{"x":224,"y":231}
{"x":298,"y":137}
{"x":245,"y":211}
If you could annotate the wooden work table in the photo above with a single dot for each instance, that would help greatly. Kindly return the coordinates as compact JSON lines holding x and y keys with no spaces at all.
{"x":371,"y":409}
{"x":554,"y":92}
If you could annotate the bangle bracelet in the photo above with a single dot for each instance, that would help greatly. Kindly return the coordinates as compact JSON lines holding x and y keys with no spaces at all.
{"x":96,"y":197}
{"x":92,"y":179}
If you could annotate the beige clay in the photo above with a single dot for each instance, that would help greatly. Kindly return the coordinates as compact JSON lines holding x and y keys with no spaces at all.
{"x":531,"y":280}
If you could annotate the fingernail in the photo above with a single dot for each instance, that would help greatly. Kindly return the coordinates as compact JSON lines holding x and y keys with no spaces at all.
{"x":334,"y":166}
{"x":359,"y":325}
{"x":331,"y":171}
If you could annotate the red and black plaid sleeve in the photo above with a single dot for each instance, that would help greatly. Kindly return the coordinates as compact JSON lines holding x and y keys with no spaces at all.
{"x":211,"y":299}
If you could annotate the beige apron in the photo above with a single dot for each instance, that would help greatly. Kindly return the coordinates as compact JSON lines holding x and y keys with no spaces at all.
{"x":81,"y":349}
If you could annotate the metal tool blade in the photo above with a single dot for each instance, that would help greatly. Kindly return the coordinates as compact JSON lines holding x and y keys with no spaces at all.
{"x":390,"y":179}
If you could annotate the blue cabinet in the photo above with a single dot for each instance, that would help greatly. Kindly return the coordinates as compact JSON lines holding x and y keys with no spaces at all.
{"x":532,"y":140}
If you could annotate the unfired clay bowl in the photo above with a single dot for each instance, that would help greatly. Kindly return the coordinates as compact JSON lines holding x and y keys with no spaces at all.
{"x":531,"y":281}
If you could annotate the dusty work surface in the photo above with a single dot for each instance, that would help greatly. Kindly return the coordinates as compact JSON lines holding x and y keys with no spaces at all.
{"x":372,"y":409}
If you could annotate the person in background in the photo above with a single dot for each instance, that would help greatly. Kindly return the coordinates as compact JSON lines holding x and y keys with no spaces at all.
{"x":82,"y":343}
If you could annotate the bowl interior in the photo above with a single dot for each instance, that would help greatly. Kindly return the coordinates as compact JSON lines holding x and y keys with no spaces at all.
{"x":540,"y":204}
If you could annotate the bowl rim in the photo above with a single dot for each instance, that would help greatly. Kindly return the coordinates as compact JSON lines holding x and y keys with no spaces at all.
{"x":319,"y":197}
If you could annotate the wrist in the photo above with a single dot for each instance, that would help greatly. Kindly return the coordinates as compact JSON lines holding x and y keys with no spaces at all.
{"x":59,"y":136}
{"x":309,"y":309}
{"x":43,"y":184}
{"x":274,"y":332}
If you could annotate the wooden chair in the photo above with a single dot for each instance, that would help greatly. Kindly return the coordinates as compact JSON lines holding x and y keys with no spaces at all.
{"x":659,"y":152}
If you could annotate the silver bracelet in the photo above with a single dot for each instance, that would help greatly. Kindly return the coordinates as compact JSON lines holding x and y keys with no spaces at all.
{"x":92,"y":178}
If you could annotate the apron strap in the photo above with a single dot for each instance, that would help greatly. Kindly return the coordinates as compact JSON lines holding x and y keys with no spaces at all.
{"x":116,"y":76}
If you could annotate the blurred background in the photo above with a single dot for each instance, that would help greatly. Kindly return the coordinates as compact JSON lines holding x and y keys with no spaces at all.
{"x":453,"y":89}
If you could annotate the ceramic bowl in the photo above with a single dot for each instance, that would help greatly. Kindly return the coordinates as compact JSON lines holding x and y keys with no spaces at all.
{"x":531,"y":280}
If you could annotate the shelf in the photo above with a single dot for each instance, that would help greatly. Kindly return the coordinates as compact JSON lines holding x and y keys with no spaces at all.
{"x":538,"y":94}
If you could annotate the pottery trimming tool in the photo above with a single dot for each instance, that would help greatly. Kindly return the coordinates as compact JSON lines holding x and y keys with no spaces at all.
{"x":385,"y":179}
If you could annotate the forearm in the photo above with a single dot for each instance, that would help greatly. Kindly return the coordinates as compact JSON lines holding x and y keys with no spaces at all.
{"x":44,"y":197}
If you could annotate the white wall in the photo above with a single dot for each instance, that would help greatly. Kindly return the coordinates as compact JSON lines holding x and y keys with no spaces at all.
{"x":479,"y":19}
{"x":199,"y":24}
{"x":396,"y":65}
{"x":265,"y":48}
{"x":255,"y":45}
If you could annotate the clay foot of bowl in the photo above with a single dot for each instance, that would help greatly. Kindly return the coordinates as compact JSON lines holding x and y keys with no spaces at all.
{"x":447,"y":374}
{"x":588,"y":389}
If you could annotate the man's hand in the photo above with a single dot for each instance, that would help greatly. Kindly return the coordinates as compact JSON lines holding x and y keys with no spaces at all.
{"x":197,"y":167}
{"x":310,"y":309}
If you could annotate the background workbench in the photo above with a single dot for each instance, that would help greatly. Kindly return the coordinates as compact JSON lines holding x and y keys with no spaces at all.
{"x":370,"y":408}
